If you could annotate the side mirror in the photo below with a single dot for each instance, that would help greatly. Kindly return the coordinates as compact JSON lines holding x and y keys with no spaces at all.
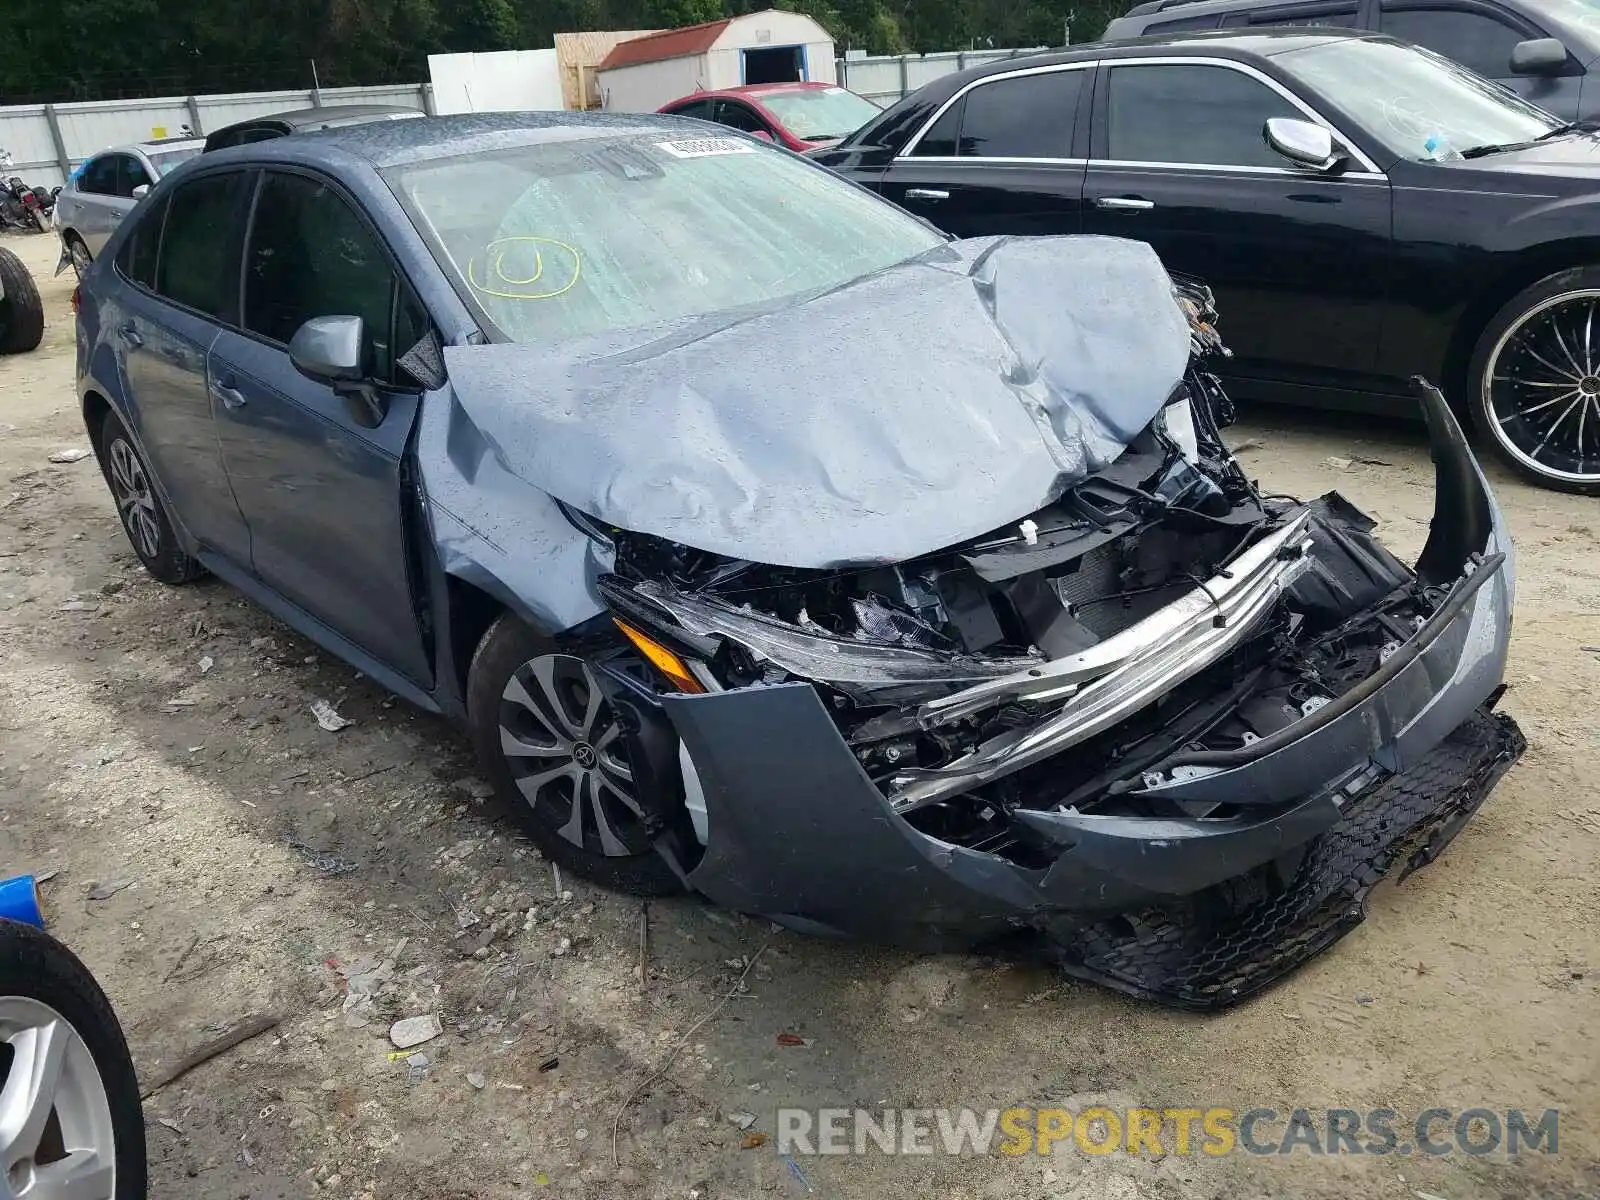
{"x":329,"y":350}
{"x":140,"y":191}
{"x":1304,"y":143}
{"x":1539,"y":56}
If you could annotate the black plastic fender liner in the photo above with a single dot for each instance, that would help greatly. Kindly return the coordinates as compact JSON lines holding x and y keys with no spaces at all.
{"x":1463,"y":518}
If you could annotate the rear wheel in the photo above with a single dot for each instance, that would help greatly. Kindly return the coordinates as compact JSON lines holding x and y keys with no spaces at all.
{"x":21,"y":309}
{"x":1535,"y":382}
{"x":144,"y":516}
{"x":553,"y":747}
{"x":71,"y":1124}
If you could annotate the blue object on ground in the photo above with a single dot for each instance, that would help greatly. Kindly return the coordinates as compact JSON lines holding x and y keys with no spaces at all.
{"x":19,"y":901}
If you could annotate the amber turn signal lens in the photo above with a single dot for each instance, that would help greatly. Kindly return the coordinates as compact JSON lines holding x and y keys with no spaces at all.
{"x":662,"y":659}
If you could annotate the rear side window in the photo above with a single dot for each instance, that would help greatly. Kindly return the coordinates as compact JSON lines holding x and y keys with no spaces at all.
{"x":1337,"y":15}
{"x":1179,"y":24}
{"x":195,"y":268}
{"x":1473,"y":39}
{"x":137,"y":258}
{"x":1028,"y":116}
{"x":310,"y":255}
{"x":1196,"y":115}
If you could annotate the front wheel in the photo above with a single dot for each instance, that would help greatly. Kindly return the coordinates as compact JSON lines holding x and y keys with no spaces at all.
{"x":70,"y":1119}
{"x":553,"y":747}
{"x":1535,"y":382}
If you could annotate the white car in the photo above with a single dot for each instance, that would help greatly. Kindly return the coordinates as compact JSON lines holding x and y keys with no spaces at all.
{"x":105,"y":189}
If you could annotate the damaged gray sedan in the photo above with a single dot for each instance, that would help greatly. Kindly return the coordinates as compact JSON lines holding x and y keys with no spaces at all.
{"x":771,"y":545}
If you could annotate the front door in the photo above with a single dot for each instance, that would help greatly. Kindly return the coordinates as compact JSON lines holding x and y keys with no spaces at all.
{"x":322,"y":493}
{"x":999,"y":158}
{"x":164,"y":315}
{"x":1298,"y":260}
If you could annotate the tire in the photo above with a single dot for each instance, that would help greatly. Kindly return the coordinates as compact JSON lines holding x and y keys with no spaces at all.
{"x":139,"y":506}
{"x":90,"y":1118}
{"x":524,"y":690}
{"x":21,"y":309}
{"x":78,"y":252}
{"x":1534,"y":382}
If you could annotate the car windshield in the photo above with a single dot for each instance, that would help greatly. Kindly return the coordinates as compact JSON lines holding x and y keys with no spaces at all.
{"x":817,"y":114}
{"x":1419,"y":104}
{"x":165,"y":160}
{"x":1583,"y":14}
{"x":569,"y":238}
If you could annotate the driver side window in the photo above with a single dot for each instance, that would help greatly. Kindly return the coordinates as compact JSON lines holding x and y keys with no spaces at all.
{"x":737,"y":116}
{"x":1191,"y":114}
{"x":310,"y":255}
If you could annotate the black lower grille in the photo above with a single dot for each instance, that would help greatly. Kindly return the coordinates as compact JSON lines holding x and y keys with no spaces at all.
{"x":1211,"y":961}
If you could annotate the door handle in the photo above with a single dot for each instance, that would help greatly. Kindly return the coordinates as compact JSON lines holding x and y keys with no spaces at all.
{"x":130,"y":335}
{"x":927,"y":194}
{"x":231,"y":397}
{"x":1125,"y":203}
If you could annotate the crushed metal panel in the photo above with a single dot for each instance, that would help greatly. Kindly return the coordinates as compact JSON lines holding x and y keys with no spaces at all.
{"x":908,"y":410}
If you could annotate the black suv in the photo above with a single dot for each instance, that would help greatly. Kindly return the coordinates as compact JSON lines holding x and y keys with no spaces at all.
{"x":1543,"y":50}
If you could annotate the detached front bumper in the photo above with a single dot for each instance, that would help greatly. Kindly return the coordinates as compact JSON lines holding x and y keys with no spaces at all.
{"x":799,"y":834}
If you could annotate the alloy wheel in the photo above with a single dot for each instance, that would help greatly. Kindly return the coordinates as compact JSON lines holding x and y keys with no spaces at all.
{"x":79,"y":253}
{"x":563,"y":744}
{"x":1541,"y":388}
{"x":135,"y":501}
{"x":56,"y":1135}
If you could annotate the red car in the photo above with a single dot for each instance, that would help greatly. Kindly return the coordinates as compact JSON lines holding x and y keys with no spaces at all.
{"x":801,"y":116}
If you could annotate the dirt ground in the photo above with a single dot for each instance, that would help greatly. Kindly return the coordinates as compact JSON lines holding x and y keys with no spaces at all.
{"x":164,"y":738}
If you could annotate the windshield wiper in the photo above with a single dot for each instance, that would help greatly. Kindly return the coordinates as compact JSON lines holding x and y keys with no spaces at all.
{"x":1570,"y":127}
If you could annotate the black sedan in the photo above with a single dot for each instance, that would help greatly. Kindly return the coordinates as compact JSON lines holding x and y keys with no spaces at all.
{"x":1363,"y":209}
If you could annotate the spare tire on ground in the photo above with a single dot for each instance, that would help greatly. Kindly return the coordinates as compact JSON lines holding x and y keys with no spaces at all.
{"x":21,"y":309}
{"x":69,"y":1100}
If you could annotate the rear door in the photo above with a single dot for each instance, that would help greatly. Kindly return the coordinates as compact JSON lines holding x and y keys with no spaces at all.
{"x":178,"y":287}
{"x":1481,"y":36}
{"x":1002,"y":156}
{"x":322,"y":493}
{"x":1298,"y":260}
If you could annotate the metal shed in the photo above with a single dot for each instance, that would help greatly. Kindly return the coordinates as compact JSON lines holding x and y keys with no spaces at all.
{"x":772,"y":46}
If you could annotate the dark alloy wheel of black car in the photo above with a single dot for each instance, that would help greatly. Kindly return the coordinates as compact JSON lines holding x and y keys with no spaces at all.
{"x":1364,"y":211}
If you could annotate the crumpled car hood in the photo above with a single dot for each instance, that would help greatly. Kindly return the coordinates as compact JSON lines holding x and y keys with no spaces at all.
{"x":900,"y":414}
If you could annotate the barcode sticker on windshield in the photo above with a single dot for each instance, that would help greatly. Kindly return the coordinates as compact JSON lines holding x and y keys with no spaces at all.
{"x":706,"y":147}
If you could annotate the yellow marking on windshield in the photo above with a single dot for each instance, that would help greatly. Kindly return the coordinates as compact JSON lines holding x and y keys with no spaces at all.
{"x":497,"y":251}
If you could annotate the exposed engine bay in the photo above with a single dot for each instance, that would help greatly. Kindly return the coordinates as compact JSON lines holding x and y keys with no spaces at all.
{"x":1169,"y":726}
{"x":913,"y":658}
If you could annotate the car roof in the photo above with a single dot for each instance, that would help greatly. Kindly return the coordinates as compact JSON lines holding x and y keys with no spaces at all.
{"x":152,"y":146}
{"x":755,"y":91}
{"x":1224,"y":43}
{"x":382,"y":144}
{"x":303,"y":118}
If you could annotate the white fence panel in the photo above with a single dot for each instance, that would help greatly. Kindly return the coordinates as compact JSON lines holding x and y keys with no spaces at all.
{"x":887,"y":78}
{"x":89,"y":127}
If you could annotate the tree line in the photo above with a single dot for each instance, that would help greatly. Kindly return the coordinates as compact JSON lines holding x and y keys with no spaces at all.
{"x":60,"y":50}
